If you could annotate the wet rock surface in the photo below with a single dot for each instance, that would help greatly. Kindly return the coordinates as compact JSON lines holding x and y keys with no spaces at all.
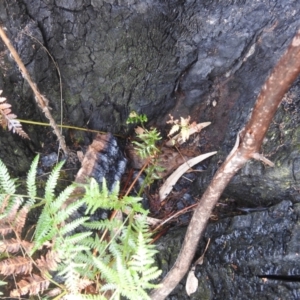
{"x":250,"y":256}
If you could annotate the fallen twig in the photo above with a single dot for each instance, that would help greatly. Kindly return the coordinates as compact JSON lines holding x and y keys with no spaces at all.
{"x":248,"y":143}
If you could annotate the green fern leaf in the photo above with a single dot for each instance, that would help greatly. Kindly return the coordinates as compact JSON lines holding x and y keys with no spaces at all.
{"x":52,"y":182}
{"x":108,"y":273}
{"x":47,"y":235}
{"x":62,"y":197}
{"x":100,"y":246}
{"x":71,"y":276}
{"x":104,"y":224}
{"x":73,"y":225}
{"x":7,"y":185}
{"x":63,"y":215}
{"x":94,"y":198}
{"x":77,"y":237}
{"x":31,"y":183}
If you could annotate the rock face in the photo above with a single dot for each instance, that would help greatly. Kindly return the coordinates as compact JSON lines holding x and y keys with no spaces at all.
{"x":249,"y":256}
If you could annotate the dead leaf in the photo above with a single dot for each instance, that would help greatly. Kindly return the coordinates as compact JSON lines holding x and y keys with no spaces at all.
{"x":180,"y":139}
{"x":191,"y":282}
{"x":173,"y":178}
{"x":199,"y":261}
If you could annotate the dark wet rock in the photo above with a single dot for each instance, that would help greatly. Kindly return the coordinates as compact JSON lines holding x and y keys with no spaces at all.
{"x":49,"y":160}
{"x":250,"y":256}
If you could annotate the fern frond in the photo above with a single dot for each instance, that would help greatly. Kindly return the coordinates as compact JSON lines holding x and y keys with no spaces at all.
{"x":73,"y":225}
{"x":16,"y":265}
{"x":31,"y":285}
{"x":123,"y":283}
{"x":5,"y":228}
{"x":131,"y":202}
{"x":9,"y":120}
{"x":48,"y":262}
{"x":31,"y":181}
{"x":144,"y":255}
{"x":148,"y":276}
{"x":77,"y":237}
{"x":103,"y":224}
{"x":128,"y":239}
{"x":63,"y":215}
{"x":7,"y":185}
{"x":95,"y":244}
{"x":11,"y":209}
{"x":4,"y":200}
{"x":115,"y":249}
{"x":45,"y":230}
{"x":62,"y":198}
{"x":20,"y":220}
{"x":13,"y":245}
{"x":52,"y":182}
{"x":86,"y":259}
{"x":43,"y":225}
{"x":71,"y":275}
{"x":94,"y":198}
{"x":108,"y":273}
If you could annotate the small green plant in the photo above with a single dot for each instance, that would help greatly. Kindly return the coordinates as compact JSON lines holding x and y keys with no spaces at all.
{"x":146,"y":148}
{"x":147,"y":139}
{"x":72,"y":247}
{"x":135,"y":118}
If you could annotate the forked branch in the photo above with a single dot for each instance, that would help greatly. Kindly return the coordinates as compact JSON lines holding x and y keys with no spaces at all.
{"x":248,"y":143}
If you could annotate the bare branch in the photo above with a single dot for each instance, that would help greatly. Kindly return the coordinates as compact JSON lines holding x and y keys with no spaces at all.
{"x":247,"y":146}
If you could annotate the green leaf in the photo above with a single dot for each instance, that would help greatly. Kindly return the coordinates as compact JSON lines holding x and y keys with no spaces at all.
{"x":73,"y":225}
{"x":31,"y":181}
{"x":7,"y":185}
{"x":52,"y":182}
{"x":73,"y":239}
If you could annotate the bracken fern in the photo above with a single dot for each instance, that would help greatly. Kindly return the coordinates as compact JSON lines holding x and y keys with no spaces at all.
{"x":68,"y":245}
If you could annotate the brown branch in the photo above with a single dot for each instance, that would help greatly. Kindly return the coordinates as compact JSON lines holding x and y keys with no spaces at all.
{"x":41,"y":100}
{"x":247,"y":146}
